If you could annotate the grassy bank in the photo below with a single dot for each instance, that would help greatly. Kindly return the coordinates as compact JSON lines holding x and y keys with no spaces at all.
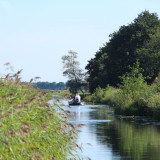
{"x":30,"y":128}
{"x":128,"y":104}
{"x":134,"y":97}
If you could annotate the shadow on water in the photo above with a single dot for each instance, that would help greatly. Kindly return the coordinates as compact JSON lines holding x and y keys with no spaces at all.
{"x":105,"y":137}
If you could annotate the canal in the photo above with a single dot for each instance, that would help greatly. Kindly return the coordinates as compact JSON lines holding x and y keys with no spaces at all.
{"x":105,"y":137}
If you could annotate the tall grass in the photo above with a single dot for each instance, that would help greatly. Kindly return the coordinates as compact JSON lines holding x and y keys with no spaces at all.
{"x":29,"y":127}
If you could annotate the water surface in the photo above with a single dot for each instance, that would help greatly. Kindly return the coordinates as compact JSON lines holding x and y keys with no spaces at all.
{"x":105,"y":137}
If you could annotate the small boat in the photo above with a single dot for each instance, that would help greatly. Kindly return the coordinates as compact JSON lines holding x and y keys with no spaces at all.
{"x":72,"y":102}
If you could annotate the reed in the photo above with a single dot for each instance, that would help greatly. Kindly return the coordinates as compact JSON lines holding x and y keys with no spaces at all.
{"x":30,"y":127}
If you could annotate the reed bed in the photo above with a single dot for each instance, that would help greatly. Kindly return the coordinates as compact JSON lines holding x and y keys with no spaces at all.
{"x":29,"y":127}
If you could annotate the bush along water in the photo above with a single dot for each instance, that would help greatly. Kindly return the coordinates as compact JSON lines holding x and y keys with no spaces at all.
{"x":103,"y":96}
{"x":29,"y":127}
{"x":134,"y":97}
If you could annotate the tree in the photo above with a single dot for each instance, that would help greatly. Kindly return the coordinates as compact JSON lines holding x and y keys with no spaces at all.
{"x":50,"y":86}
{"x":137,"y":41}
{"x":72,"y":70}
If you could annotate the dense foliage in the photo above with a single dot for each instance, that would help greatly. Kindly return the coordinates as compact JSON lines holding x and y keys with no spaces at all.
{"x":138,"y":40}
{"x":50,"y":86}
{"x":30,"y":127}
{"x":134,"y":97}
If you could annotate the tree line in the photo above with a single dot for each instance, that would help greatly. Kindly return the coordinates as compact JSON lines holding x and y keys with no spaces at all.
{"x":50,"y":86}
{"x":137,"y":41}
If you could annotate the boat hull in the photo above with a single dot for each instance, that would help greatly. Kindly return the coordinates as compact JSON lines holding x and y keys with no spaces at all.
{"x":74,"y":103}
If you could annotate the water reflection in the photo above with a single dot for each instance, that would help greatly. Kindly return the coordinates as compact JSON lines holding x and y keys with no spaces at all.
{"x":106,"y":138}
{"x":131,"y":140}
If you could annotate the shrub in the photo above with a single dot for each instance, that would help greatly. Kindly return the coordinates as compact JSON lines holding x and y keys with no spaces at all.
{"x":98,"y":95}
{"x":109,"y":94}
{"x":134,"y":96}
{"x":134,"y":91}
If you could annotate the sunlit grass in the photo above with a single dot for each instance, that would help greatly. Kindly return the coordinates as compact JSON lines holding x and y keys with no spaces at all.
{"x":29,"y":127}
{"x":62,"y":93}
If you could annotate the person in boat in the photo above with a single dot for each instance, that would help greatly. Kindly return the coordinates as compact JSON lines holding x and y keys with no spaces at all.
{"x":77,"y":98}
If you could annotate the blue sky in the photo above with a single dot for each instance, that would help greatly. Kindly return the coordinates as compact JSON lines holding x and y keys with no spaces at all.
{"x":35,"y":34}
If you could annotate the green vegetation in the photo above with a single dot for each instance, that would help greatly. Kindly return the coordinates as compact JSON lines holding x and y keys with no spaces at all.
{"x":62,"y":93}
{"x":103,"y":96}
{"x":50,"y":86}
{"x":134,"y":97}
{"x":30,"y":127}
{"x":138,"y":40}
{"x":125,"y":72}
{"x":76,"y":76}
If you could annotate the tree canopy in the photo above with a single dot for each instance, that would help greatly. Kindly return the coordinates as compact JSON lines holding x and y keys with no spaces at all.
{"x":138,"y":40}
{"x":72,"y":70}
